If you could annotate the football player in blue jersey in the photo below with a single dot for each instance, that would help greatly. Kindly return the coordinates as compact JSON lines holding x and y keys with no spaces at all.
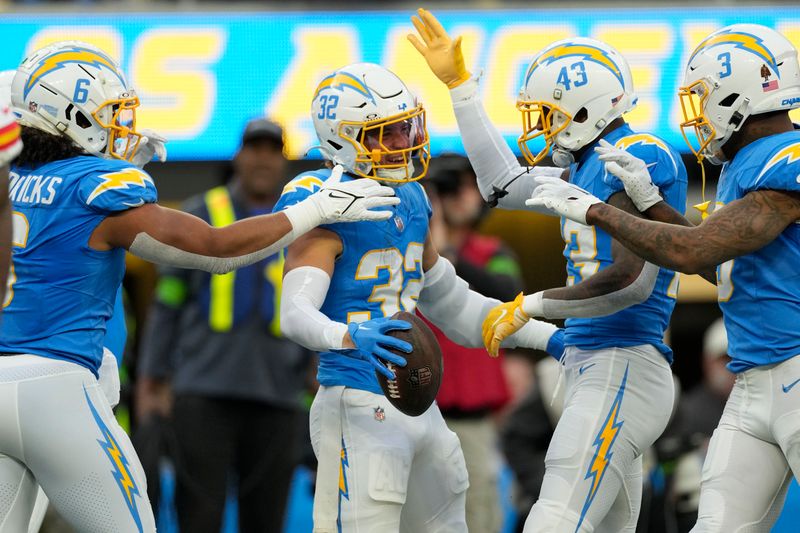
{"x":342,"y":284}
{"x":619,"y":391}
{"x":739,"y":85}
{"x":79,"y":202}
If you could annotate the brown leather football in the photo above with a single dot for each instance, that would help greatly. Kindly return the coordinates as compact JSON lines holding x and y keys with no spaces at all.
{"x":415,"y":385}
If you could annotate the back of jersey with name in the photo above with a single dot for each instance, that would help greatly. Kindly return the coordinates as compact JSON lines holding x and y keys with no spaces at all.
{"x":60,"y":291}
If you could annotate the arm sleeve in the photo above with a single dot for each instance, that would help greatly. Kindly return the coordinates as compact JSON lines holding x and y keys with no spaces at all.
{"x":493,"y":161}
{"x":303,"y":293}
{"x":447,"y":301}
{"x":635,"y":293}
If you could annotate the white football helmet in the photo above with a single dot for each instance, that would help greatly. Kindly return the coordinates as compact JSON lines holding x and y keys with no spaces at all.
{"x":359,"y":112}
{"x":572,"y":90}
{"x":738,"y":71}
{"x":74,"y":89}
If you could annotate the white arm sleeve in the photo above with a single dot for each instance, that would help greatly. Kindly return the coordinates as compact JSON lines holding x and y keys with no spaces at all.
{"x":155,"y":251}
{"x":635,"y":293}
{"x":448,"y":302}
{"x":493,"y":161}
{"x":304,"y":290}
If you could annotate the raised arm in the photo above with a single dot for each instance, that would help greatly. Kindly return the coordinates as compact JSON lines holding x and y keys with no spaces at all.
{"x":738,"y":228}
{"x":501,"y":179}
{"x":169,"y":237}
{"x":741,"y":227}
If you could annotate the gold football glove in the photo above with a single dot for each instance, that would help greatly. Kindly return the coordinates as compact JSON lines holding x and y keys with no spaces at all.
{"x":442,"y":53}
{"x":502,"y":322}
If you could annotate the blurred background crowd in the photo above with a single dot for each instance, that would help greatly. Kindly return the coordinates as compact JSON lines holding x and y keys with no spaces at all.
{"x":215,"y":400}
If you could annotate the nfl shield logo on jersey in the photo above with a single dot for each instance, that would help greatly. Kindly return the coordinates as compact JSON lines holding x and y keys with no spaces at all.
{"x":399,"y":224}
{"x":380,"y":414}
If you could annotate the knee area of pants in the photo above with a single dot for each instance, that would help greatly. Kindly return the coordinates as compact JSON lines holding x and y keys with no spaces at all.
{"x":548,"y":516}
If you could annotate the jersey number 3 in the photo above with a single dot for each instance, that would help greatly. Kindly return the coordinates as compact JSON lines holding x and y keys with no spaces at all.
{"x":392,"y":295}
{"x":19,"y":239}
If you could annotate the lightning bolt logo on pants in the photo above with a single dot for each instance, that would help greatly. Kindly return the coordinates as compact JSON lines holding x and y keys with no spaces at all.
{"x":121,"y":470}
{"x":604,"y":442}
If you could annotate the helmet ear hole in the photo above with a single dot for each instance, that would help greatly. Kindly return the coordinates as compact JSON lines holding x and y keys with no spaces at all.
{"x":82,"y":121}
{"x":581,"y":116}
{"x":335,"y":145}
{"x":728,"y":100}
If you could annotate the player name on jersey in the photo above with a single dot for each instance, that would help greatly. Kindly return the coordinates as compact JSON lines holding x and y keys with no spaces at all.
{"x":33,"y":189}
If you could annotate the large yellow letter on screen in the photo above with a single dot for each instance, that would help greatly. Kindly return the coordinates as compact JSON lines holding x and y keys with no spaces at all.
{"x":319,"y":50}
{"x":172,"y":71}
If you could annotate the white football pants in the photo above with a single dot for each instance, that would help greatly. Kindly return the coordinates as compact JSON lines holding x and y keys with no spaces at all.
{"x":397,"y":473}
{"x":57,"y":430}
{"x":617,"y":402}
{"x":753,"y":452}
{"x":109,"y":384}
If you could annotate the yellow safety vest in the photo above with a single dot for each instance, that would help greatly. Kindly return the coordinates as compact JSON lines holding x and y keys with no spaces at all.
{"x":220,"y":315}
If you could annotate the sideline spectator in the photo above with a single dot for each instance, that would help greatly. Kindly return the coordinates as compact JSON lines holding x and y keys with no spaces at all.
{"x":213,"y":341}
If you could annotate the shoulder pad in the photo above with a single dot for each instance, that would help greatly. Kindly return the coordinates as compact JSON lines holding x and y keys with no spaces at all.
{"x":781,"y":171}
{"x":301,"y":188}
{"x":116,"y":186}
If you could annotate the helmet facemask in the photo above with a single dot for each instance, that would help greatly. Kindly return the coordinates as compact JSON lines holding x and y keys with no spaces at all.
{"x":693,"y":100}
{"x":540,"y":119}
{"x":377,"y":154}
{"x":118,"y":117}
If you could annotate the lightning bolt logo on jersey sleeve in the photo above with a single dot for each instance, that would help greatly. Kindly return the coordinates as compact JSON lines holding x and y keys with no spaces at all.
{"x":781,"y":171}
{"x":301,"y":188}
{"x":661,"y":160}
{"x":117,"y":187}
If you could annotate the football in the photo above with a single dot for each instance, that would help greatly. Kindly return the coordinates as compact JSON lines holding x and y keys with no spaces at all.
{"x":415,"y":385}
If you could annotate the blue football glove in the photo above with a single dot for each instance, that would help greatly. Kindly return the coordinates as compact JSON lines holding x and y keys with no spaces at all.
{"x":555,"y":346}
{"x":371,"y":342}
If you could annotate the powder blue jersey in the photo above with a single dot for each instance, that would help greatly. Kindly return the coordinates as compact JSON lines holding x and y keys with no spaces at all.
{"x":378,"y":273}
{"x":588,"y":249}
{"x":61,"y":292}
{"x":759,"y":292}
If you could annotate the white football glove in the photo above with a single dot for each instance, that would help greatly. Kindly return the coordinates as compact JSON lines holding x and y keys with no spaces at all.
{"x":151,"y":146}
{"x":10,"y":142}
{"x":633,"y":174}
{"x":350,"y":201}
{"x":562,"y":198}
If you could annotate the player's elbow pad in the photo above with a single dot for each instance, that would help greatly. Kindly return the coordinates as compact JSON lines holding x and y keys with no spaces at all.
{"x":447,"y":301}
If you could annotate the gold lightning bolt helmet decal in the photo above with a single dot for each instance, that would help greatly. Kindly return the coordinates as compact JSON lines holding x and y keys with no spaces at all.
{"x":122,"y":179}
{"x":744,"y":41}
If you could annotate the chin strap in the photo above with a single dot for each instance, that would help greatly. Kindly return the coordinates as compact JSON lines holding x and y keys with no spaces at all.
{"x":705,"y":204}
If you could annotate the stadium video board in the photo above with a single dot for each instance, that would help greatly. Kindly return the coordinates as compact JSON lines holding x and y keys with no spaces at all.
{"x":201,"y":76}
